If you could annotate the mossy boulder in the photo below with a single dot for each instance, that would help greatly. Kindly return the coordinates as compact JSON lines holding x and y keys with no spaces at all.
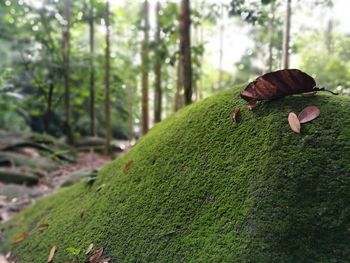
{"x":201,"y":188}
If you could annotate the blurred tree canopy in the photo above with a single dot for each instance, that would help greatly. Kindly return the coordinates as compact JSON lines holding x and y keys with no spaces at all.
{"x":32,"y":68}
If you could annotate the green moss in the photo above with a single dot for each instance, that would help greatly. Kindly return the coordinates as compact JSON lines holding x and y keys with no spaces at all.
{"x":202,"y":188}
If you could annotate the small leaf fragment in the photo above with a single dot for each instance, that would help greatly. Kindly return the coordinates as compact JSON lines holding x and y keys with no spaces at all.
{"x":20,"y":237}
{"x":95,"y":257}
{"x":127,"y":166}
{"x":42,"y":227}
{"x":294,"y":122}
{"x":105,"y":260}
{"x":51,"y":254}
{"x":308,"y":114}
{"x":82,"y":213}
{"x":235,"y":115}
{"x":89,"y":249}
{"x":99,"y":187}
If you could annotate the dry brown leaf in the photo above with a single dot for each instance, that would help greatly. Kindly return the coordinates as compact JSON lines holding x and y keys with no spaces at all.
{"x":20,"y":237}
{"x":308,"y":114}
{"x":294,"y":122}
{"x":127,"y":166}
{"x":105,"y":260}
{"x":42,"y":227}
{"x":96,"y":256}
{"x":90,"y":247}
{"x":235,"y":115}
{"x":51,"y":254}
{"x":82,"y":213}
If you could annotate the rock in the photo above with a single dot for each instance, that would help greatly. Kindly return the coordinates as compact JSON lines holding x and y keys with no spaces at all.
{"x":203,"y":189}
{"x":17,"y":176}
{"x":77,"y":176}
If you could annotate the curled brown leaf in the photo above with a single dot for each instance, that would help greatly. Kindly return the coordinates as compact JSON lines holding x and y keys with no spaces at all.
{"x":96,"y":256}
{"x":42,"y":227}
{"x":127,"y":166}
{"x":235,"y":115}
{"x":294,"y":122}
{"x":20,"y":237}
{"x":308,"y":114}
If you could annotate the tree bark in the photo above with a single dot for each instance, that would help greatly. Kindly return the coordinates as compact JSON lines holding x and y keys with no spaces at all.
{"x":107,"y":85}
{"x":48,"y":116}
{"x":92,"y":71}
{"x":185,"y":49}
{"x":286,"y":36}
{"x":145,"y":62}
{"x":157,"y":71}
{"x":179,"y":100}
{"x":221,"y":49}
{"x":271,"y":36}
{"x":66,"y":49}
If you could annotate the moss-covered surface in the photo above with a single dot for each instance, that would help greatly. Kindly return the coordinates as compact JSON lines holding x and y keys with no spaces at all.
{"x":202,"y":188}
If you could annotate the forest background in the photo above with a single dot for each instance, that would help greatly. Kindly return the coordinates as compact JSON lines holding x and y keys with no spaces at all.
{"x":115,"y":68}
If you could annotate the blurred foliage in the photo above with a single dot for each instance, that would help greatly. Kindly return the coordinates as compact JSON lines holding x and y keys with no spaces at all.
{"x":31,"y":66}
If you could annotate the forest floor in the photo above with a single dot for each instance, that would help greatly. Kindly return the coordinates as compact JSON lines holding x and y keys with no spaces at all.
{"x":14,"y":198}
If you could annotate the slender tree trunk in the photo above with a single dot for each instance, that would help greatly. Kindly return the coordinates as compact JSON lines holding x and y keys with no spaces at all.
{"x":131,"y":91}
{"x":145,"y":62}
{"x":185,"y":49}
{"x":158,"y":71}
{"x":221,"y":50}
{"x":48,"y":116}
{"x":179,"y":99}
{"x":66,"y":49}
{"x":271,"y":34}
{"x":92,"y":71}
{"x":286,"y":37}
{"x":107,"y":85}
{"x":329,"y":31}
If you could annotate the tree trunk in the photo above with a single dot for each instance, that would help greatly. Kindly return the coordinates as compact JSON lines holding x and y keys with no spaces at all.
{"x":221,"y":49}
{"x":48,"y":116}
{"x":107,"y":85}
{"x":66,"y":49}
{"x":157,"y":71}
{"x":144,"y":61}
{"x":92,"y":71}
{"x":185,"y":49}
{"x":131,"y":92}
{"x":271,"y":36}
{"x":179,"y":100}
{"x":286,"y":37}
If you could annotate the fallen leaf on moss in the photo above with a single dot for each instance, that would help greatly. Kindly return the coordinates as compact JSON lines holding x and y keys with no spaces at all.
{"x":127,"y":166}
{"x":90,"y":247}
{"x":100,"y":187}
{"x":95,"y":257}
{"x":294,"y":122}
{"x":278,"y":84}
{"x":235,"y":115}
{"x":51,"y":254}
{"x":82,"y":213}
{"x":20,"y":237}
{"x":42,"y":227}
{"x":308,"y":114}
